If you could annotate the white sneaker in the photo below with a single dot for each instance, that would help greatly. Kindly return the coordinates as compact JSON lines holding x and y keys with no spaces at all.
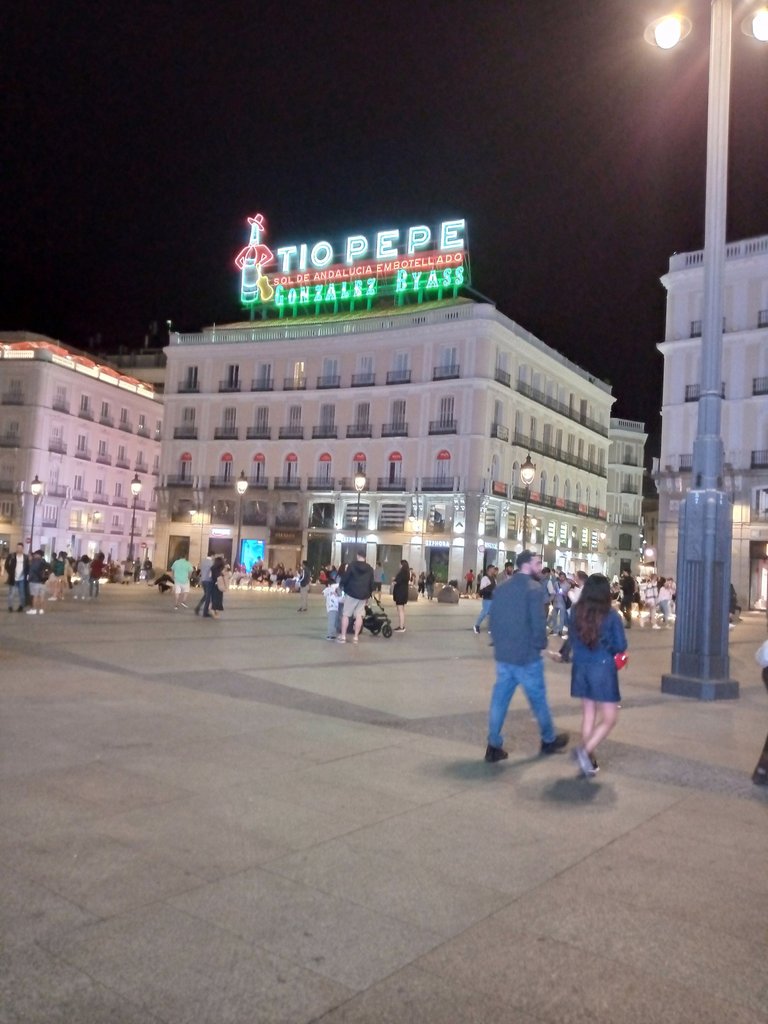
{"x":31,"y":611}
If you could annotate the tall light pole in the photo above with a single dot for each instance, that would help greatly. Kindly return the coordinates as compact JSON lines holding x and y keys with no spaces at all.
{"x":36,"y":488}
{"x":242,"y":487}
{"x":360,"y":482}
{"x":527,"y":473}
{"x":135,"y":491}
{"x":700,"y":660}
{"x":193,"y":512}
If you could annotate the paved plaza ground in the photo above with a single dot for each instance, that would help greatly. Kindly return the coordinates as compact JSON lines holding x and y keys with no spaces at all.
{"x":235,"y":821}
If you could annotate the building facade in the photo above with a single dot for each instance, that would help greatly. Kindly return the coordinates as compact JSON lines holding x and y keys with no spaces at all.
{"x":626,"y":456}
{"x":436,"y":405}
{"x":744,"y":409}
{"x":87,"y":433}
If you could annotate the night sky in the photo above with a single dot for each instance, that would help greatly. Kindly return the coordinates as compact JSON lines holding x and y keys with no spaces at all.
{"x":138,"y":137}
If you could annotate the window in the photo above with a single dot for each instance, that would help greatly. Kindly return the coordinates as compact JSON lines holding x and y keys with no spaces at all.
{"x":99,"y":487}
{"x":294,"y":416}
{"x":118,"y":489}
{"x":400,"y":362}
{"x":297,"y":373}
{"x":85,"y":403}
{"x":82,"y":443}
{"x":124,"y":415}
{"x":327,"y":416}
{"x":262,"y":417}
{"x":230,"y":418}
{"x":446,"y":411}
{"x":78,"y":484}
{"x":232,"y":379}
{"x":448,"y":358}
{"x":105,"y":410}
{"x":365,"y":365}
{"x":625,"y":542}
{"x":398,"y":413}
{"x":330,"y":368}
{"x":225,"y":468}
{"x":362,"y":415}
{"x":142,"y":421}
{"x":121,"y":456}
{"x":188,"y":416}
{"x":264,"y":376}
{"x":102,"y":448}
{"x":190,"y":380}
{"x":60,"y":401}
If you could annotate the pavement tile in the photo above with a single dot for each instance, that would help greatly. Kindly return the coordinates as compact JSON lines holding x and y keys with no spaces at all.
{"x":29,"y":805}
{"x":187,"y":971}
{"x":38,"y":988}
{"x":333,"y":936}
{"x":30,"y":912}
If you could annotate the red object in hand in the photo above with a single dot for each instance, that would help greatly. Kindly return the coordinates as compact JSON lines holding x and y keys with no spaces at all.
{"x":621,"y":659}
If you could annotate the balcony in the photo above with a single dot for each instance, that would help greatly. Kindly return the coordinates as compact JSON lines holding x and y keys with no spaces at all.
{"x":325,"y":431}
{"x":321,"y":483}
{"x":291,"y":433}
{"x":178,"y":480}
{"x":258,"y":483}
{"x":565,"y":410}
{"x":287,"y":519}
{"x":122,"y":463}
{"x":558,"y":454}
{"x":51,"y":522}
{"x":363,"y":380}
{"x":222,"y":480}
{"x":263,"y":384}
{"x":107,"y":421}
{"x":295,"y":384}
{"x":693,"y":392}
{"x":360,"y":430}
{"x":229,"y":387}
{"x":383,"y":483}
{"x":141,"y":467}
{"x":437,"y":483}
{"x":446,"y":372}
{"x":83,"y":453}
{"x":86,"y":414}
{"x":398,"y":376}
{"x":79,"y":494}
{"x":255,"y":518}
{"x":104,"y":459}
{"x":13,"y":398}
{"x":142,"y":431}
{"x":258,"y":433}
{"x":100,"y":499}
{"x":762,"y":318}
{"x":686,"y":462}
{"x":760,"y":385}
{"x":331,"y":381}
{"x":185,"y":433}
{"x":60,"y":405}
{"x":127,"y":426}
{"x":188,"y":387}
{"x":443,"y":427}
{"x":55,"y":444}
{"x":499,"y":431}
{"x":287,"y":483}
{"x":759,"y":459}
{"x":118,"y":501}
{"x":399,"y":428}
{"x":502,"y":377}
{"x":7,"y":487}
{"x":225,"y":433}
{"x":56,"y":491}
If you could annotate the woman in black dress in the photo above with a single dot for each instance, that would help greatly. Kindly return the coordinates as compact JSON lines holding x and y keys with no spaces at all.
{"x":400,"y":594}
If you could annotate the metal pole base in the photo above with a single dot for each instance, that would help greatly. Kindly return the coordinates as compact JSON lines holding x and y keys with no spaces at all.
{"x":700,"y":689}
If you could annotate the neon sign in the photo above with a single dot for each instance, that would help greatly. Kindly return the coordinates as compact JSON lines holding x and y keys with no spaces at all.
{"x":416,"y":261}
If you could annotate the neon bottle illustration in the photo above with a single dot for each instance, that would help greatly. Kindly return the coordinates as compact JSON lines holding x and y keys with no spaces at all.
{"x":251,"y":260}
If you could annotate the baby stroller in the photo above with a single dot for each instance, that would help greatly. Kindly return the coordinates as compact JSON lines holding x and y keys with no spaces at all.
{"x":376,"y":619}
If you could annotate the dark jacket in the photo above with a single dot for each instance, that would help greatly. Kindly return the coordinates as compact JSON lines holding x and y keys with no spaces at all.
{"x":357,"y":581}
{"x":400,"y":586}
{"x":518,"y":620}
{"x":10,"y":566}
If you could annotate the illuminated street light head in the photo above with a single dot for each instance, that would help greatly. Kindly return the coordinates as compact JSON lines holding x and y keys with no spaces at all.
{"x":667,"y":31}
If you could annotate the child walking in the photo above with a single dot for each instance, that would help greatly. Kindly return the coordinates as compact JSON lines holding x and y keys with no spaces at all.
{"x":332,"y":602}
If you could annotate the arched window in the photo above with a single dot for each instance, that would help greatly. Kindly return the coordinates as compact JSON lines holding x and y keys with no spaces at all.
{"x":324,"y":466}
{"x":578,"y":492}
{"x":567,"y":490}
{"x":395,"y":462}
{"x":258,"y":472}
{"x":185,"y":466}
{"x":443,"y":465}
{"x":225,"y":468}
{"x":555,"y":485}
{"x":543,"y":484}
{"x":290,"y":467}
{"x":359,"y":463}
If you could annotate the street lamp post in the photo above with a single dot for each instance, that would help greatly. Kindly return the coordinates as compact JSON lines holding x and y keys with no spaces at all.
{"x":36,"y":488}
{"x":360,"y":482}
{"x":700,"y":660}
{"x":527,"y":473}
{"x":135,"y":491}
{"x":193,"y":512}
{"x":242,"y":487}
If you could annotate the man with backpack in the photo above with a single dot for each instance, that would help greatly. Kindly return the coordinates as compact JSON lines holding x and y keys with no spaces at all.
{"x":485,"y":592}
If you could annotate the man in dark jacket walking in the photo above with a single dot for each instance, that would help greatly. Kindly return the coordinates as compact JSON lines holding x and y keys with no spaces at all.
{"x":357,"y":584}
{"x":519,"y":630}
{"x":17,"y":570}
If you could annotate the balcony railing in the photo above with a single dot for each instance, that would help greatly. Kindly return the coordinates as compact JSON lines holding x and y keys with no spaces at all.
{"x":122,"y":463}
{"x":760,"y":385}
{"x":225,"y":433}
{"x":83,"y":453}
{"x":188,"y":387}
{"x":100,"y":498}
{"x":142,"y":431}
{"x":13,"y":398}
{"x":500,"y":431}
{"x":360,"y":430}
{"x":79,"y":495}
{"x":561,"y":407}
{"x":56,"y":491}
{"x":50,"y":521}
{"x":559,"y":454}
{"x":443,"y":426}
{"x":686,"y":461}
{"x":291,"y":433}
{"x":321,"y":483}
{"x":104,"y":460}
{"x":107,"y":421}
{"x":258,"y":433}
{"x":221,"y":480}
{"x":437,"y":483}
{"x":502,"y":377}
{"x":118,"y":501}
{"x":60,"y":405}
{"x":178,"y":480}
{"x":325,"y":430}
{"x":259,"y":484}
{"x":294,"y":384}
{"x":693,"y":392}
{"x":762,"y":318}
{"x":446,"y":372}
{"x":127,"y":426}
{"x":263,"y":384}
{"x":398,"y":376}
{"x":10,"y":441}
{"x":362,"y":380}
{"x":229,"y":386}
{"x":254,"y":518}
{"x":331,"y":381}
{"x":141,"y":467}
{"x":55,"y":444}
{"x":185,"y":433}
{"x":85,"y":414}
{"x":399,"y":428}
{"x":287,"y":520}
{"x":283,"y":483}
{"x":383,"y":483}
{"x":759,"y":459}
